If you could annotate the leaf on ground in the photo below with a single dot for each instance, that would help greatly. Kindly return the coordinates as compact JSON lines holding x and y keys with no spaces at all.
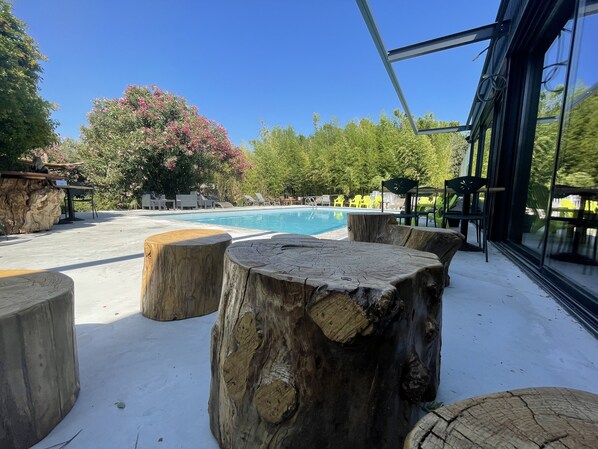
{"x":120,"y":405}
{"x":431,"y":406}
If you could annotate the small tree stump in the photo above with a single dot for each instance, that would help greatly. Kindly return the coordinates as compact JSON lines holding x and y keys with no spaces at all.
{"x":39,"y":372}
{"x":182,"y":273}
{"x":323,"y":344}
{"x":534,"y":417}
{"x":384,"y":228}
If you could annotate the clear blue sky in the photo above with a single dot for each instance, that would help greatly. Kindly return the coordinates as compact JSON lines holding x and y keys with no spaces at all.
{"x":247,"y":62}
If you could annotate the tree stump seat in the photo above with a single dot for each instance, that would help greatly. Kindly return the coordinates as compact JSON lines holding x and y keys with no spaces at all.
{"x":324,"y":344}
{"x":182,"y":273}
{"x":384,"y":228}
{"x":556,"y":418}
{"x":39,"y":371}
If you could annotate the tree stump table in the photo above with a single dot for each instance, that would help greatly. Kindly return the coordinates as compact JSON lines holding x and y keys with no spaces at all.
{"x":182,"y":273}
{"x":557,"y":418}
{"x":323,"y":344}
{"x":39,"y":372}
{"x":384,"y":228}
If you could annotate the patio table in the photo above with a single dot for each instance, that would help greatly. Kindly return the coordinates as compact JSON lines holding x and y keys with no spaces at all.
{"x":70,"y":210}
{"x":324,"y":343}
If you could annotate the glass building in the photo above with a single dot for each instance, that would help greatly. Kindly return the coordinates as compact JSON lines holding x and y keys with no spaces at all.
{"x":533,"y":129}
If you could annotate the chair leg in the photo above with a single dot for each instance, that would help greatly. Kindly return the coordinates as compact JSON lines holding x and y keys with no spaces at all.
{"x":486,"y":237}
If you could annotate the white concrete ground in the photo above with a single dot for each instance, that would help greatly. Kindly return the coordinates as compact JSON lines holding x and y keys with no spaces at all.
{"x":500,"y":331}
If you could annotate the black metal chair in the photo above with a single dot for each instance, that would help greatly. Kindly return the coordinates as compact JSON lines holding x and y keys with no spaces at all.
{"x":407,"y":188}
{"x":430,"y":211}
{"x":472,"y":209}
{"x":84,"y":196}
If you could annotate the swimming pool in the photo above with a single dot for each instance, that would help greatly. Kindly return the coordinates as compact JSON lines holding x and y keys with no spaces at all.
{"x":292,"y":220}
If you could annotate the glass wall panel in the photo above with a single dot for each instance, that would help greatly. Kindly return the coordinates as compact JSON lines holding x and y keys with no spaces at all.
{"x":574,"y":219}
{"x":552,"y":91}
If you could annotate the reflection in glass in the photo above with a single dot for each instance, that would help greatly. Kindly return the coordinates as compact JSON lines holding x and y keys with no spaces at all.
{"x":574,"y":219}
{"x":545,"y":139}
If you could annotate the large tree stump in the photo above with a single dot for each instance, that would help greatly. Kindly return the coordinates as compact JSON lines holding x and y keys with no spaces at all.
{"x":323,"y":344}
{"x":384,"y":228}
{"x":28,"y":205}
{"x":39,"y":372}
{"x":182,"y":273}
{"x":556,"y":418}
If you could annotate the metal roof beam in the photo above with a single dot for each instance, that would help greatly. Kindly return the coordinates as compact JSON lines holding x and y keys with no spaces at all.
{"x":444,"y":43}
{"x":373,"y":29}
{"x":448,"y":129}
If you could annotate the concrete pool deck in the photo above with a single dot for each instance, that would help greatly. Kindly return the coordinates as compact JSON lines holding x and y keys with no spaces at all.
{"x":500,"y":331}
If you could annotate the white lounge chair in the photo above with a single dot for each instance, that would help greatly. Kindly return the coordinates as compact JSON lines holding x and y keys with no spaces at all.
{"x":204,"y":202}
{"x":261,"y":200}
{"x":187,"y":201}
{"x":326,"y":200}
{"x":249,"y":200}
{"x":148,"y":202}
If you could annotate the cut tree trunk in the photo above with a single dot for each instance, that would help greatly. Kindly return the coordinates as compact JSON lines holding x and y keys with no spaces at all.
{"x":529,"y":418}
{"x":324,"y":344}
{"x":383,"y":228}
{"x":28,"y":205}
{"x":182,"y":273}
{"x":39,"y":373}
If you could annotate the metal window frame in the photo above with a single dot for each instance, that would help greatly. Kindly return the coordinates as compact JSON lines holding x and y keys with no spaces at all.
{"x":486,"y":32}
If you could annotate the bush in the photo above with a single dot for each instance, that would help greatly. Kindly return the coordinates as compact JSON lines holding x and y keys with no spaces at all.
{"x":149,"y":140}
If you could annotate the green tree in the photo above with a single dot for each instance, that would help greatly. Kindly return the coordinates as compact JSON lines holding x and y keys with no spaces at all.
{"x":24,"y":115}
{"x":149,"y":140}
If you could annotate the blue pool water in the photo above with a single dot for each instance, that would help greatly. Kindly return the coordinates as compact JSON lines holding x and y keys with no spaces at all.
{"x":294,"y":221}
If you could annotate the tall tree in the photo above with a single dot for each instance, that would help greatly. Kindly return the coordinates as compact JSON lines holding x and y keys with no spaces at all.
{"x":24,"y":115}
{"x":150,"y":140}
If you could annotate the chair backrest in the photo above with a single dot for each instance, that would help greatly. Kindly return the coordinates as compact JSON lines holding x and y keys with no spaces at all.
{"x":249,"y":198}
{"x":260,"y":198}
{"x":187,"y":200}
{"x":459,"y":188}
{"x":401,"y":186}
{"x":465,"y":185}
{"x":146,"y":200}
{"x":325,"y":198}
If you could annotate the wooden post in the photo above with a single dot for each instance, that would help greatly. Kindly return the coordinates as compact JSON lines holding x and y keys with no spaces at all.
{"x":384,"y":228}
{"x":39,"y":372}
{"x":323,"y":343}
{"x":182,"y":273}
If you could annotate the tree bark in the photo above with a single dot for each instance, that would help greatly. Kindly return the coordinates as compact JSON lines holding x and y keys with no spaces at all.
{"x":28,"y":205}
{"x":324,"y":344}
{"x":182,"y":273}
{"x":384,"y":228}
{"x":39,"y":372}
{"x":532,"y":417}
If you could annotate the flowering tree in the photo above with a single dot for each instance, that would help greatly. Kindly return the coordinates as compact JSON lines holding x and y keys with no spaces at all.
{"x":64,"y":151}
{"x":150,"y":140}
